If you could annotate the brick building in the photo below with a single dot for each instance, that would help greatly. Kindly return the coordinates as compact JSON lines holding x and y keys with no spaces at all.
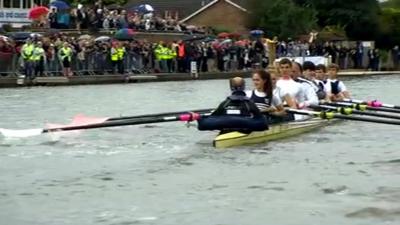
{"x":222,"y":14}
{"x":230,"y":14}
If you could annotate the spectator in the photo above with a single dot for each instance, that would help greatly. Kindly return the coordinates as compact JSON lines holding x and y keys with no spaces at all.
{"x":27,"y":56}
{"x":39,"y":58}
{"x":65,"y":55}
{"x":53,"y":18}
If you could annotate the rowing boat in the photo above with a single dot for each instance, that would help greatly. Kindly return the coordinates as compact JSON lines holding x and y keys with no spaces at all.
{"x":278,"y":131}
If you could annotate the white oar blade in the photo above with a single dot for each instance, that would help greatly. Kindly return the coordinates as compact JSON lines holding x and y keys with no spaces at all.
{"x":20,"y":133}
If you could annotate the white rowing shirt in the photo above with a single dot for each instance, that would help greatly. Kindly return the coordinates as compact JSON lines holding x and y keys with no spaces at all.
{"x":328,"y":85}
{"x":289,"y":87}
{"x":309,"y":92}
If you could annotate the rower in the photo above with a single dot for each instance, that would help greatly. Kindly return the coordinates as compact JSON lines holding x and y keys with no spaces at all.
{"x":266,"y":96}
{"x":289,"y":90}
{"x":309,"y":76}
{"x":236,"y":113}
{"x":320,"y":73}
{"x":335,"y":88}
{"x":309,"y":94}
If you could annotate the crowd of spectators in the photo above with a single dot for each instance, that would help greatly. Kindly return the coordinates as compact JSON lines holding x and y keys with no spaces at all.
{"x":141,"y":56}
{"x":101,"y":17}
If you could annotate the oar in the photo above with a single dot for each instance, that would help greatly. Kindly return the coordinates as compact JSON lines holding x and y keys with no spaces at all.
{"x":362,"y":107}
{"x":332,"y":115}
{"x":160,"y":114}
{"x":349,"y":111}
{"x":375,"y":103}
{"x":127,"y":122}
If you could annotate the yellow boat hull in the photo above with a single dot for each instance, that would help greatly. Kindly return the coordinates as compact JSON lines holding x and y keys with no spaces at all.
{"x":275,"y":132}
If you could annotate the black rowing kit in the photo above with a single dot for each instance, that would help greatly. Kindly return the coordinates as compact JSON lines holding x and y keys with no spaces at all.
{"x":236,"y":113}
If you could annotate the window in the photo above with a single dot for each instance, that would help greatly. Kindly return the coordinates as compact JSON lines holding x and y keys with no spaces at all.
{"x":27,"y":4}
{"x":16,"y":3}
{"x":7,"y":4}
{"x":42,"y":2}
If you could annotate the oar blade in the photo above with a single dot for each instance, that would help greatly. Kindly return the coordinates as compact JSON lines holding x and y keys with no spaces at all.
{"x":8,"y":133}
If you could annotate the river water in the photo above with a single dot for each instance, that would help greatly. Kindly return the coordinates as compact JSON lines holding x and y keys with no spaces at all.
{"x":348,"y":173}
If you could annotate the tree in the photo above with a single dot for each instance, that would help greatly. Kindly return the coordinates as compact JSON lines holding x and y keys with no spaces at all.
{"x":390,"y":30}
{"x":282,"y":18}
{"x":391,"y":4}
{"x":360,"y":18}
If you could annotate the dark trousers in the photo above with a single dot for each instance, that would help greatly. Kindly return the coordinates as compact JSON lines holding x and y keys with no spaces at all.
{"x":29,"y":68}
{"x":119,"y":65}
{"x":39,"y":68}
{"x":181,"y":65}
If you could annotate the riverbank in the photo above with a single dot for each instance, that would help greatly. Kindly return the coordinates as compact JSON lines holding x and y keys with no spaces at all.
{"x":7,"y":82}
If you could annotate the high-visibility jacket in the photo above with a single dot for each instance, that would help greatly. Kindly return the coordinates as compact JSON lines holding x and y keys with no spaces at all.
{"x":121,"y":53}
{"x":114,"y":54}
{"x":158,"y":51}
{"x":38,"y":53}
{"x":170,"y":54}
{"x":65,"y":53}
{"x":27,"y":51}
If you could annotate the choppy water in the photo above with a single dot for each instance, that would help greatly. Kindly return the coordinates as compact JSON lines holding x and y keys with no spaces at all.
{"x":348,"y":173}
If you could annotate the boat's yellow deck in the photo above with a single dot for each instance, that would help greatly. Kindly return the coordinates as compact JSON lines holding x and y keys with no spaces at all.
{"x":275,"y":132}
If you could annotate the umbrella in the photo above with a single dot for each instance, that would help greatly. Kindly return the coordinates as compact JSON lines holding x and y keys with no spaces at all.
{"x":102,"y":39}
{"x":84,"y":37}
{"x":256,"y":32}
{"x":52,"y":32}
{"x":37,"y":12}
{"x":124,"y":34}
{"x":60,"y":5}
{"x":194,"y":37}
{"x":223,"y":35}
{"x":144,"y":8}
{"x":22,"y":36}
{"x":226,"y":41}
{"x":234,"y":35}
{"x":4,"y":38}
{"x":241,"y":43}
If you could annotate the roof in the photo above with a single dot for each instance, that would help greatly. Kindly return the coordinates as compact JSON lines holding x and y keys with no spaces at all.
{"x":184,"y":7}
{"x":211,"y":4}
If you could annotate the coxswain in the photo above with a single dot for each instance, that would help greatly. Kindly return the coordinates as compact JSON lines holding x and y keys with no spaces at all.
{"x":236,"y":113}
{"x":335,"y":88}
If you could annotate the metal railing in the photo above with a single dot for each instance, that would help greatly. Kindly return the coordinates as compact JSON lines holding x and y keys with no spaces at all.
{"x":93,"y":63}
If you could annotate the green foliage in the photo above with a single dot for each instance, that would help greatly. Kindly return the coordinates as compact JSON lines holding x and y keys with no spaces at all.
{"x":390,"y":30}
{"x":391,"y":4}
{"x":282,"y":18}
{"x":360,"y":18}
{"x":221,"y":29}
